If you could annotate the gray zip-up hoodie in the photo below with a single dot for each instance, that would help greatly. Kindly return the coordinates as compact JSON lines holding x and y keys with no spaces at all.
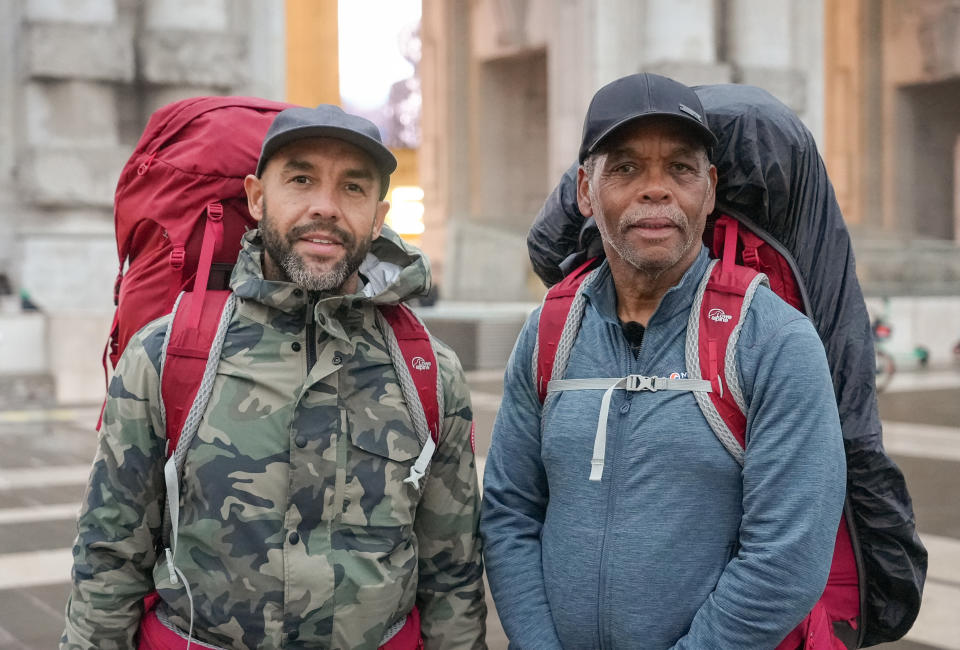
{"x":676,"y":546}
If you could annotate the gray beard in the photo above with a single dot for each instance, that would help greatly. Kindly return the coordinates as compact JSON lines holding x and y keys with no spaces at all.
{"x":297,"y":272}
{"x":292,"y":265}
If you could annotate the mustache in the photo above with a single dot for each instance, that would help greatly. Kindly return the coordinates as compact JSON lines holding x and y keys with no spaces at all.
{"x":637,"y":216}
{"x":314,"y":229}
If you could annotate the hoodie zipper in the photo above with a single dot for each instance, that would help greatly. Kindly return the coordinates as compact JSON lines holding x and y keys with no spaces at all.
{"x":632,"y":363}
{"x":311,"y":335}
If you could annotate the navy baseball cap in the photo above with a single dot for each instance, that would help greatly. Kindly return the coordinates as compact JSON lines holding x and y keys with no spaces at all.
{"x":327,"y":120}
{"x":639,"y":96}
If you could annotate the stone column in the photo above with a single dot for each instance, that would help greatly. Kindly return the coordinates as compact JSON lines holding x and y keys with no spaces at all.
{"x":265,"y":28}
{"x":79,"y":81}
{"x":681,"y":41}
{"x":9,"y":128}
{"x":593,"y":42}
{"x":844,"y":144}
{"x":778,"y":45}
{"x":445,"y":125}
{"x":590,"y":42}
{"x":72,"y":59}
{"x":313,"y":56}
{"x":571,"y":80}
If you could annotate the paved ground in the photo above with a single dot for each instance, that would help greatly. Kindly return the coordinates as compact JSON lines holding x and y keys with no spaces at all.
{"x":46,"y":454}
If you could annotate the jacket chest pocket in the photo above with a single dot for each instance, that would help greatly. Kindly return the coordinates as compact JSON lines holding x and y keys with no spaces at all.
{"x":382,"y":447}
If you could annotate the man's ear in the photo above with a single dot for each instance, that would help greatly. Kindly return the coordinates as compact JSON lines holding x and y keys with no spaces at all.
{"x":382,"y":208}
{"x":583,"y":193}
{"x":254,"y":189}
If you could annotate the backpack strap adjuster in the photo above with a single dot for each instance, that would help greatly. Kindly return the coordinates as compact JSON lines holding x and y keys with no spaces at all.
{"x":177,"y":257}
{"x":215,"y":211}
{"x":751,"y":257}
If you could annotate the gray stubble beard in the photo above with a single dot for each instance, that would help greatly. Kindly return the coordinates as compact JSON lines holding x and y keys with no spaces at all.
{"x":280,"y":249}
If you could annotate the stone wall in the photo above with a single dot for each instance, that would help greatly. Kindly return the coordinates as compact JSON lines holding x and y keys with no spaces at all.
{"x":80,"y":79}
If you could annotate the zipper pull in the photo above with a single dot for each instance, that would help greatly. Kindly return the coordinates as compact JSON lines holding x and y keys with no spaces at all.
{"x":145,"y":165}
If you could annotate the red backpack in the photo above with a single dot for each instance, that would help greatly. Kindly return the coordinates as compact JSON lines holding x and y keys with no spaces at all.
{"x":193,"y":155}
{"x":744,"y":260}
{"x":180,"y":211}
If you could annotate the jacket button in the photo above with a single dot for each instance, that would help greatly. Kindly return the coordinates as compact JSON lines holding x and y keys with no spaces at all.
{"x":337,"y":359}
{"x":295,"y":346}
{"x":298,"y":293}
{"x":293,"y":635}
{"x":294,"y":538}
{"x":301,"y":441}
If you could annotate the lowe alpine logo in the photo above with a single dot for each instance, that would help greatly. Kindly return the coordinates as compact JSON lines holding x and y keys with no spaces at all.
{"x":717,"y":315}
{"x":419,"y":363}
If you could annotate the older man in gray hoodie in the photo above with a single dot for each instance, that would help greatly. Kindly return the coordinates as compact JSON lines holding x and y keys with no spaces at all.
{"x":662,"y":539}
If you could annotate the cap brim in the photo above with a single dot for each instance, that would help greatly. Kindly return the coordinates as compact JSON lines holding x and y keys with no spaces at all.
{"x":709,"y":139}
{"x":385,"y":161}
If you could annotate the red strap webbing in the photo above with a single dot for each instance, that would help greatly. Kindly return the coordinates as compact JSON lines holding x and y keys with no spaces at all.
{"x":192,"y":332}
{"x":414,"y":342}
{"x":553,"y":316}
{"x":212,"y":236}
{"x":728,"y":229}
{"x":186,"y":359}
{"x":719,"y":316}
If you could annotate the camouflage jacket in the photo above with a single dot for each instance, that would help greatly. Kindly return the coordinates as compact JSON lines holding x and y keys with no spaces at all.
{"x":296,"y":529}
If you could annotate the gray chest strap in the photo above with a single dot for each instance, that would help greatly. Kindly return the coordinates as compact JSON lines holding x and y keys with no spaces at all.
{"x":632,"y":383}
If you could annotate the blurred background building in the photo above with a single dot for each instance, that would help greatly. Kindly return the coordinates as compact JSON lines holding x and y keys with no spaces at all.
{"x":483,"y":102}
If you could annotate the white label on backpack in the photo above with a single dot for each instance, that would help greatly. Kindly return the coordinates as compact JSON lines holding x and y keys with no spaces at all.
{"x":419,"y":363}
{"x":717,"y":315}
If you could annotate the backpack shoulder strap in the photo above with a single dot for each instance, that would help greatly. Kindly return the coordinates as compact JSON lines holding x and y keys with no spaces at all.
{"x":713,"y":329}
{"x":553,"y":318}
{"x":190,"y":355}
{"x":188,"y":366}
{"x":415,"y":362}
{"x":413,"y":340}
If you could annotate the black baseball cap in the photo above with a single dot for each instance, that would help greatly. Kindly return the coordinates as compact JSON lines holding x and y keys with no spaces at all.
{"x":327,"y":120}
{"x":638,"y":96}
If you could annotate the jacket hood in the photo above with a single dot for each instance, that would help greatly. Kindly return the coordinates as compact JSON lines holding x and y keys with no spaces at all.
{"x":392,"y":272}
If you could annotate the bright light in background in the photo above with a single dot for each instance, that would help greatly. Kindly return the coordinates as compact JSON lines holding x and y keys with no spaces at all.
{"x":406,"y":211}
{"x":370,"y":56}
{"x":379,"y":52}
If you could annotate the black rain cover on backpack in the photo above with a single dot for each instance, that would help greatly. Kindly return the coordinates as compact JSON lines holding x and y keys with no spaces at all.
{"x":772,"y":179}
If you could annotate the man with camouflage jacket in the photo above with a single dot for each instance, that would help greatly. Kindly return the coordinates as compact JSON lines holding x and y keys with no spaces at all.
{"x":296,"y":528}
